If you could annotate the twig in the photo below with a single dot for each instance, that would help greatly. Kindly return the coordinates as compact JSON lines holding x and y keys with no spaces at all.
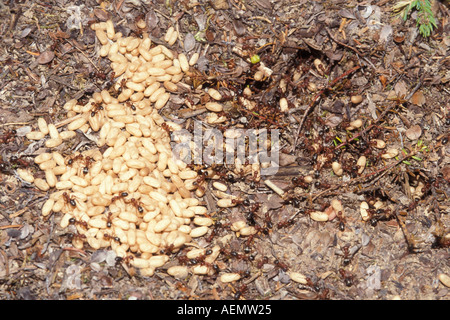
{"x":389,"y":108}
{"x":11,"y":226}
{"x":343,"y":44}
{"x":316,"y":97}
{"x":376,"y":175}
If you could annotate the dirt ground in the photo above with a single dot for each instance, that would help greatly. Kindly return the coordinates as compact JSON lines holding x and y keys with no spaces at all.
{"x":337,"y":63}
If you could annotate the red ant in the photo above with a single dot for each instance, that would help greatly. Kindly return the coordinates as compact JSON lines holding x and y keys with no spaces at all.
{"x":69,"y":200}
{"x":87,"y":164}
{"x":238,"y":293}
{"x":121,"y":196}
{"x":342,"y":220}
{"x":136,"y":204}
{"x":97,"y":107}
{"x":73,"y":236}
{"x":82,"y":224}
{"x":108,"y":220}
{"x":107,"y":236}
{"x":285,"y":223}
{"x":122,"y":85}
{"x":71,"y":160}
{"x":299,"y":181}
{"x":125,"y":260}
{"x":262,"y":262}
{"x":380,"y":215}
{"x":19,"y":162}
{"x":131,"y":106}
{"x":281,"y":265}
{"x":348,"y":253}
{"x":347,"y":276}
{"x":8,"y":136}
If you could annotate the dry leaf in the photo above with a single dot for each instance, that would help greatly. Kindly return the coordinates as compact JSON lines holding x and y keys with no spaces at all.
{"x":400,"y":89}
{"x":414,"y":132}
{"x":418,"y":98}
{"x":45,"y":57}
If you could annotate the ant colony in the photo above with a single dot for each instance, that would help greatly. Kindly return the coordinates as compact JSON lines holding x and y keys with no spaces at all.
{"x":130,"y":193}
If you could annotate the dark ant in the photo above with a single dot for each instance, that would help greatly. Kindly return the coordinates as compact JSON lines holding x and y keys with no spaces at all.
{"x":380,"y":215}
{"x":215,"y":230}
{"x":250,"y":216}
{"x":299,"y":181}
{"x":82,"y":224}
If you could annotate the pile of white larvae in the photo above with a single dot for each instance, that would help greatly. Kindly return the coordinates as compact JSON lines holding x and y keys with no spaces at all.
{"x":134,"y":196}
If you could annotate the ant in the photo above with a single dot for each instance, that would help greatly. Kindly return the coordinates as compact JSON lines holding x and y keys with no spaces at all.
{"x":125,"y":260}
{"x":8,"y":136}
{"x":69,"y":200}
{"x":281,"y":265}
{"x":252,"y":212}
{"x":239,"y":292}
{"x":71,"y":160}
{"x":167,"y":250}
{"x":348,"y":253}
{"x":166,"y":127}
{"x":347,"y":276}
{"x":342,"y":220}
{"x":109,"y":220}
{"x":73,"y":236}
{"x":97,"y":107}
{"x":131,"y":106}
{"x":87,"y":163}
{"x":215,"y":230}
{"x":285,"y":223}
{"x":82,"y":224}
{"x":136,"y":204}
{"x":19,"y":162}
{"x":107,"y":236}
{"x":380,"y":215}
{"x":262,"y":262}
{"x":299,"y":181}
{"x":121,"y":196}
{"x":122,"y":85}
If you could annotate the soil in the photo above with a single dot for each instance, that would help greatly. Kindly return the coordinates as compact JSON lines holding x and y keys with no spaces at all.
{"x":320,"y":54}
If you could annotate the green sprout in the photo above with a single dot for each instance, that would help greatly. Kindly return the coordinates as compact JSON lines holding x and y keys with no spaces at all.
{"x":255,"y":59}
{"x":425,"y":17}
